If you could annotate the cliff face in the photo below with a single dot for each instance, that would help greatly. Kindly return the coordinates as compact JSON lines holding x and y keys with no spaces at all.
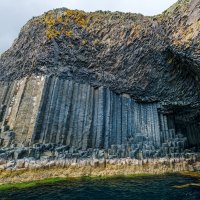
{"x":51,"y":110}
{"x":150,"y":58}
{"x":116,"y":81}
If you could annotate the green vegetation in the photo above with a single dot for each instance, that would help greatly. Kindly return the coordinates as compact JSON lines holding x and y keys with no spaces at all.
{"x":30,"y":184}
{"x":58,"y":179}
{"x":61,"y":179}
{"x":57,"y":25}
{"x":69,"y":23}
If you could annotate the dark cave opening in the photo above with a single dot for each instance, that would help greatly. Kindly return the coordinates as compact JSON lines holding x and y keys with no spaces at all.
{"x":186,"y":122}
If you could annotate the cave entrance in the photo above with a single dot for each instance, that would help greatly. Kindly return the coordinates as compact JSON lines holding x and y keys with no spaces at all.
{"x":187,"y":123}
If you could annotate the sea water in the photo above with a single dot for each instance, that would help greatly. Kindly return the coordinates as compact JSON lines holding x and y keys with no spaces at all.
{"x":133,"y":188}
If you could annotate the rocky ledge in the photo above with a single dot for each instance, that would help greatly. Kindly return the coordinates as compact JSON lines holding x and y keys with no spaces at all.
{"x":25,"y":170}
{"x":81,"y":90}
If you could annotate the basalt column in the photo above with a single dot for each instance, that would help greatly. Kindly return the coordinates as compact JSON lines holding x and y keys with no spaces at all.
{"x":20,"y":101}
{"x":55,"y":110}
{"x":79,"y":115}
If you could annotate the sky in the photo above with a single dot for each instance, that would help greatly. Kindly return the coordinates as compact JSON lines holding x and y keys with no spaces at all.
{"x":15,"y":13}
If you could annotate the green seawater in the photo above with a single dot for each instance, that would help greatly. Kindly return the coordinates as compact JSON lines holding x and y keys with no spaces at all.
{"x":118,"y":188}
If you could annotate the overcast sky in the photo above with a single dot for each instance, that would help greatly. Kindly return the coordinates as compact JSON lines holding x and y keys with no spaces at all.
{"x":15,"y":13}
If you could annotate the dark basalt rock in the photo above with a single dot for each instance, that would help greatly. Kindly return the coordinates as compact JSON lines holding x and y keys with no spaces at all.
{"x":150,"y":58}
{"x":103,"y":84}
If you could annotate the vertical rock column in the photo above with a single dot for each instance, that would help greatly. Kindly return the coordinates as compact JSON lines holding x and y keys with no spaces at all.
{"x":54,"y":110}
{"x":22,"y":109}
{"x":7,"y":90}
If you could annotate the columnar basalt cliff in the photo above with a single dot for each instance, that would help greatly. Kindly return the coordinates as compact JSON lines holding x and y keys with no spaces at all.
{"x":103,"y":85}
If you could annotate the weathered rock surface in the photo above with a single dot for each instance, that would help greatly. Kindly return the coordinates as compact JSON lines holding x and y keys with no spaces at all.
{"x":54,"y":110}
{"x":29,"y":170}
{"x":150,"y":58}
{"x":71,"y":118}
{"x":102,"y":85}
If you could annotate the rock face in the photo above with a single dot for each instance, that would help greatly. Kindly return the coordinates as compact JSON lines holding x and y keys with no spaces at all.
{"x":150,"y":58}
{"x":103,"y":85}
{"x":53,"y":110}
